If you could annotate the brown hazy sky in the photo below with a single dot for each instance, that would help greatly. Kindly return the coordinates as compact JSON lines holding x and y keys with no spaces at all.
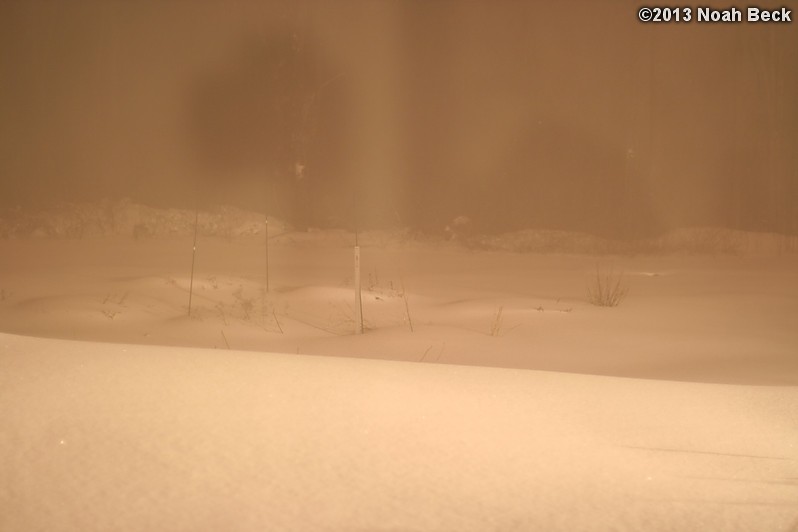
{"x":551,"y":114}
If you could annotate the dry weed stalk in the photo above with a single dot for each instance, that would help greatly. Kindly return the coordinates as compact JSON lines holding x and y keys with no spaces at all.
{"x":607,"y":290}
{"x":407,"y":306}
{"x":497,"y":323}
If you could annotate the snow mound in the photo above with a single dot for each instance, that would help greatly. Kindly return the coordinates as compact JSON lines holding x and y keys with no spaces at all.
{"x":689,"y":241}
{"x":110,"y":218}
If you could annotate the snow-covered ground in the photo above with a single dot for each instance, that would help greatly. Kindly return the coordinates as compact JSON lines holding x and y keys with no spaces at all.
{"x":677,"y":410}
{"x":100,"y":436}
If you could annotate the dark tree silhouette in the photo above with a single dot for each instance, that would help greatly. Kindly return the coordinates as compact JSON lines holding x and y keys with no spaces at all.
{"x":264,"y":118}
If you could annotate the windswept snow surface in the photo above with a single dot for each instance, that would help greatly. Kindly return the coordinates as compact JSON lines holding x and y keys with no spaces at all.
{"x":116,"y":437}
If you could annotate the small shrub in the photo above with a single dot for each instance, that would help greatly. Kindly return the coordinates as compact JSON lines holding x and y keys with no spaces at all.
{"x":607,"y":289}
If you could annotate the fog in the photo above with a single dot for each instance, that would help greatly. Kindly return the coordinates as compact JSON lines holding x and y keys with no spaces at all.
{"x":403,"y":114}
{"x":380,"y":265}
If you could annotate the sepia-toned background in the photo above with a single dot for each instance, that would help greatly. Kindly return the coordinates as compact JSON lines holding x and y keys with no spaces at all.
{"x":515,"y":114}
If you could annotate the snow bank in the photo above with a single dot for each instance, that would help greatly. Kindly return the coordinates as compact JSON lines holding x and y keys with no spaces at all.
{"x":691,"y":241}
{"x":106,"y":218}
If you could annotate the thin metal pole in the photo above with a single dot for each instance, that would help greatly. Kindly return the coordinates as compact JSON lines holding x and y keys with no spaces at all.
{"x":193,"y":258}
{"x":267,"y":253}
